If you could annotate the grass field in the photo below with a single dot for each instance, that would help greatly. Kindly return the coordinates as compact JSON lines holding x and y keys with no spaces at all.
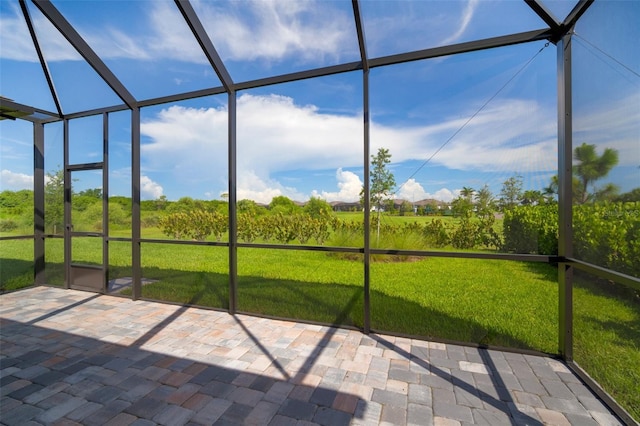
{"x":502,"y":303}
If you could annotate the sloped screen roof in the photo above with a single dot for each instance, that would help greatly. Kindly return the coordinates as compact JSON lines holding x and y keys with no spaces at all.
{"x":72,"y":56}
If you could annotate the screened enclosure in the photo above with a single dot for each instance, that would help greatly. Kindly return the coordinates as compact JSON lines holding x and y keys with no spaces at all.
{"x":462,"y":171}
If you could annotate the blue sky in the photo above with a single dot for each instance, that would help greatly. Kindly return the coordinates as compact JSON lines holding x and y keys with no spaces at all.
{"x":304,"y":138}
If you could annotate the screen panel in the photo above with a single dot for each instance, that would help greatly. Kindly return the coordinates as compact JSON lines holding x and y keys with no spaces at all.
{"x":606,"y":137}
{"x":484,"y":302}
{"x":184,"y":164}
{"x":185,"y":274}
{"x":605,"y":336}
{"x":301,"y":285}
{"x":464,"y":152}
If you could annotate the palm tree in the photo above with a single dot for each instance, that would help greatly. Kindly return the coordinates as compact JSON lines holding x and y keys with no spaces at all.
{"x":467,"y":192}
{"x":592,"y":167}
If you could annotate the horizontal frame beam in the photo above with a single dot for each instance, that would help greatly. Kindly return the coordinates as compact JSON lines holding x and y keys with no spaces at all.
{"x":471,"y":46}
{"x":604,"y":273}
{"x":300,"y":75}
{"x":538,"y":258}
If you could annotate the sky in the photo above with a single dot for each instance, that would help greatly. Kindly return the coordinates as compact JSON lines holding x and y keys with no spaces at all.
{"x":459,"y":121}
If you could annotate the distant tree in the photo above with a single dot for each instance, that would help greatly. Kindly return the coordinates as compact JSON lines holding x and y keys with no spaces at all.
{"x":249,"y":207}
{"x":54,"y":201}
{"x":16,"y":202}
{"x":485,"y":202}
{"x":161,"y":202}
{"x":185,"y":205}
{"x":282,"y":204}
{"x":382,"y":182}
{"x":317,"y":207}
{"x":406,"y":207}
{"x":125,"y":202}
{"x":462,"y":206}
{"x":550,"y":192}
{"x":467,"y":192}
{"x":81,"y":204}
{"x":431,"y":207}
{"x":533,"y":197}
{"x":591,"y":168}
{"x":606,"y":193}
{"x":93,"y":192}
{"x":511,"y":193}
{"x":631,"y":196}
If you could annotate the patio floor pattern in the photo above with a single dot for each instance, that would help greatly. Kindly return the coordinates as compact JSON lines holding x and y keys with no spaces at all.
{"x":70,"y":357}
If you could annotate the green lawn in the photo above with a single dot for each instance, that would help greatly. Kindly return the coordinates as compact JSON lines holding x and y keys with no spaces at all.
{"x":502,"y":303}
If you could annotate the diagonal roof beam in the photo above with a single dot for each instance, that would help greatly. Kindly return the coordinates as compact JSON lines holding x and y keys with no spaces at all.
{"x":357,"y":15}
{"x":205,"y":43}
{"x":67,"y":30}
{"x":576,"y":13}
{"x":43,"y":62}
{"x":544,"y":14}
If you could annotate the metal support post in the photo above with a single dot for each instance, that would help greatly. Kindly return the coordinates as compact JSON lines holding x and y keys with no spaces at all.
{"x":67,"y":206}
{"x":565,"y":198}
{"x":38,"y":204}
{"x":135,"y":205}
{"x":233,"y":220}
{"x":105,"y":203}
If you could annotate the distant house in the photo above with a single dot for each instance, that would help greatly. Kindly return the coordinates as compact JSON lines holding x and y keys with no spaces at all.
{"x":343,"y":206}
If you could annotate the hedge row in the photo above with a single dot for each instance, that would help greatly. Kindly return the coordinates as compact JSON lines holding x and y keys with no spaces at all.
{"x":302,"y":227}
{"x":605,"y":234}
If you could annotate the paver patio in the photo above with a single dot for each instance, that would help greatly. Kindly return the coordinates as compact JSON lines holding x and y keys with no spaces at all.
{"x":71,"y":357}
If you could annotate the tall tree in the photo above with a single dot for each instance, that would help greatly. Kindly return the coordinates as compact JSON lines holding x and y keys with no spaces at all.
{"x":382,"y":182}
{"x":485,"y":203}
{"x":54,"y":201}
{"x":283,"y":204}
{"x":318,"y":208}
{"x":463,"y":204}
{"x":511,"y":193}
{"x":591,"y":168}
{"x":467,"y":192}
{"x":533,"y":197}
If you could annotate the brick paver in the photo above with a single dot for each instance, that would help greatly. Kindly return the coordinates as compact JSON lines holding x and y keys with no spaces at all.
{"x":70,"y":357}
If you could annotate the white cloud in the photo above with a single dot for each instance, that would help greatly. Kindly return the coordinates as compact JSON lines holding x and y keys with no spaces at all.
{"x":349,"y":187}
{"x":413,"y":191}
{"x":150,"y":189}
{"x":465,"y":19}
{"x":594,"y":124}
{"x":514,"y":135}
{"x":252,"y":187}
{"x":11,"y":181}
{"x":276,"y":135}
{"x":17,"y":44}
{"x":273,"y":30}
{"x":269,"y":30}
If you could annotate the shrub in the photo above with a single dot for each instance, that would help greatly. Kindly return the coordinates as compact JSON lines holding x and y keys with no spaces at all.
{"x":531,"y":229}
{"x":605,"y":234}
{"x":608,"y":234}
{"x":248,"y":227}
{"x":196,"y":224}
{"x":465,"y":235}
{"x":150,"y":221}
{"x":435,"y":233}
